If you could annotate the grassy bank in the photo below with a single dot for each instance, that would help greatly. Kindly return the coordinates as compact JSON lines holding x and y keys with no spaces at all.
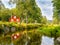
{"x":10,"y":27}
{"x":50,"y":30}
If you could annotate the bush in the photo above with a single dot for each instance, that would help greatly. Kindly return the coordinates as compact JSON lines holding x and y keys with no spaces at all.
{"x":33,"y":26}
{"x":10,"y":26}
{"x":51,"y":31}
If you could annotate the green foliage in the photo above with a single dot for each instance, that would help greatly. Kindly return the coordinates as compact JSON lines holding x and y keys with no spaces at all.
{"x":56,"y":4}
{"x":51,"y":31}
{"x":33,"y":26}
{"x":1,"y":6}
{"x":44,"y":20}
{"x":28,"y":11}
{"x":10,"y":27}
{"x":32,"y":38}
{"x":5,"y":15}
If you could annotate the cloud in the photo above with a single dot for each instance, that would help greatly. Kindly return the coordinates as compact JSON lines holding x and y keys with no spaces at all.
{"x":5,"y":2}
{"x":46,"y":7}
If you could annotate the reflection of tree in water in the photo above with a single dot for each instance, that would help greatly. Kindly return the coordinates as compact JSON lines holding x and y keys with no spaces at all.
{"x":32,"y":38}
{"x":5,"y":41}
{"x":35,"y":39}
{"x":57,"y":41}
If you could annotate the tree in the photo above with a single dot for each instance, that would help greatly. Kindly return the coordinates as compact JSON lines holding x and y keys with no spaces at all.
{"x":1,"y":5}
{"x":56,"y":4}
{"x":27,"y":10}
{"x":44,"y":20}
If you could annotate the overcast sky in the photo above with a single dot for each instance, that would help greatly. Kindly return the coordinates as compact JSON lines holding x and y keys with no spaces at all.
{"x":45,"y":5}
{"x":46,"y":8}
{"x":5,"y":2}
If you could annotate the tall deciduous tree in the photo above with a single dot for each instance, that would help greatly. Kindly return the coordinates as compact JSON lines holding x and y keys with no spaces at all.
{"x":56,"y":16}
{"x":1,"y":5}
{"x":28,"y":10}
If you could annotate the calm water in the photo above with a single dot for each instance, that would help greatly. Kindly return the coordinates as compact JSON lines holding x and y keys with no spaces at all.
{"x":47,"y":40}
{"x":44,"y":41}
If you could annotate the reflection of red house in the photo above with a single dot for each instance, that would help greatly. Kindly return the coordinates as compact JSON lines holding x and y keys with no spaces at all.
{"x":15,"y":36}
{"x":14,"y":19}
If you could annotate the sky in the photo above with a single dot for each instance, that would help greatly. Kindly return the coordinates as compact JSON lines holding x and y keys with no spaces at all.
{"x":45,"y":5}
{"x":5,"y":2}
{"x":46,"y":8}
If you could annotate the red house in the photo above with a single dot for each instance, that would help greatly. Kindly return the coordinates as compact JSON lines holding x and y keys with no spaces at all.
{"x":14,"y":19}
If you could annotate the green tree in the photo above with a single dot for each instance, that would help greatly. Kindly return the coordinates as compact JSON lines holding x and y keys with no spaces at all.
{"x":44,"y":20}
{"x":1,"y":5}
{"x":56,"y":4}
{"x":28,"y":10}
{"x":5,"y":15}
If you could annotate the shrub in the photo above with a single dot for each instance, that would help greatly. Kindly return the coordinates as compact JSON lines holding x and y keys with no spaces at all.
{"x":51,"y":31}
{"x":9,"y":26}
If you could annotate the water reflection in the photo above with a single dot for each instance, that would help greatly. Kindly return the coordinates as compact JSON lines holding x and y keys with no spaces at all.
{"x":57,"y":41}
{"x":44,"y":40}
{"x":47,"y":40}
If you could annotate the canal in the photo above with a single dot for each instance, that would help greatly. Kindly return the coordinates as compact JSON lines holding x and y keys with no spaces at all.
{"x":30,"y":38}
